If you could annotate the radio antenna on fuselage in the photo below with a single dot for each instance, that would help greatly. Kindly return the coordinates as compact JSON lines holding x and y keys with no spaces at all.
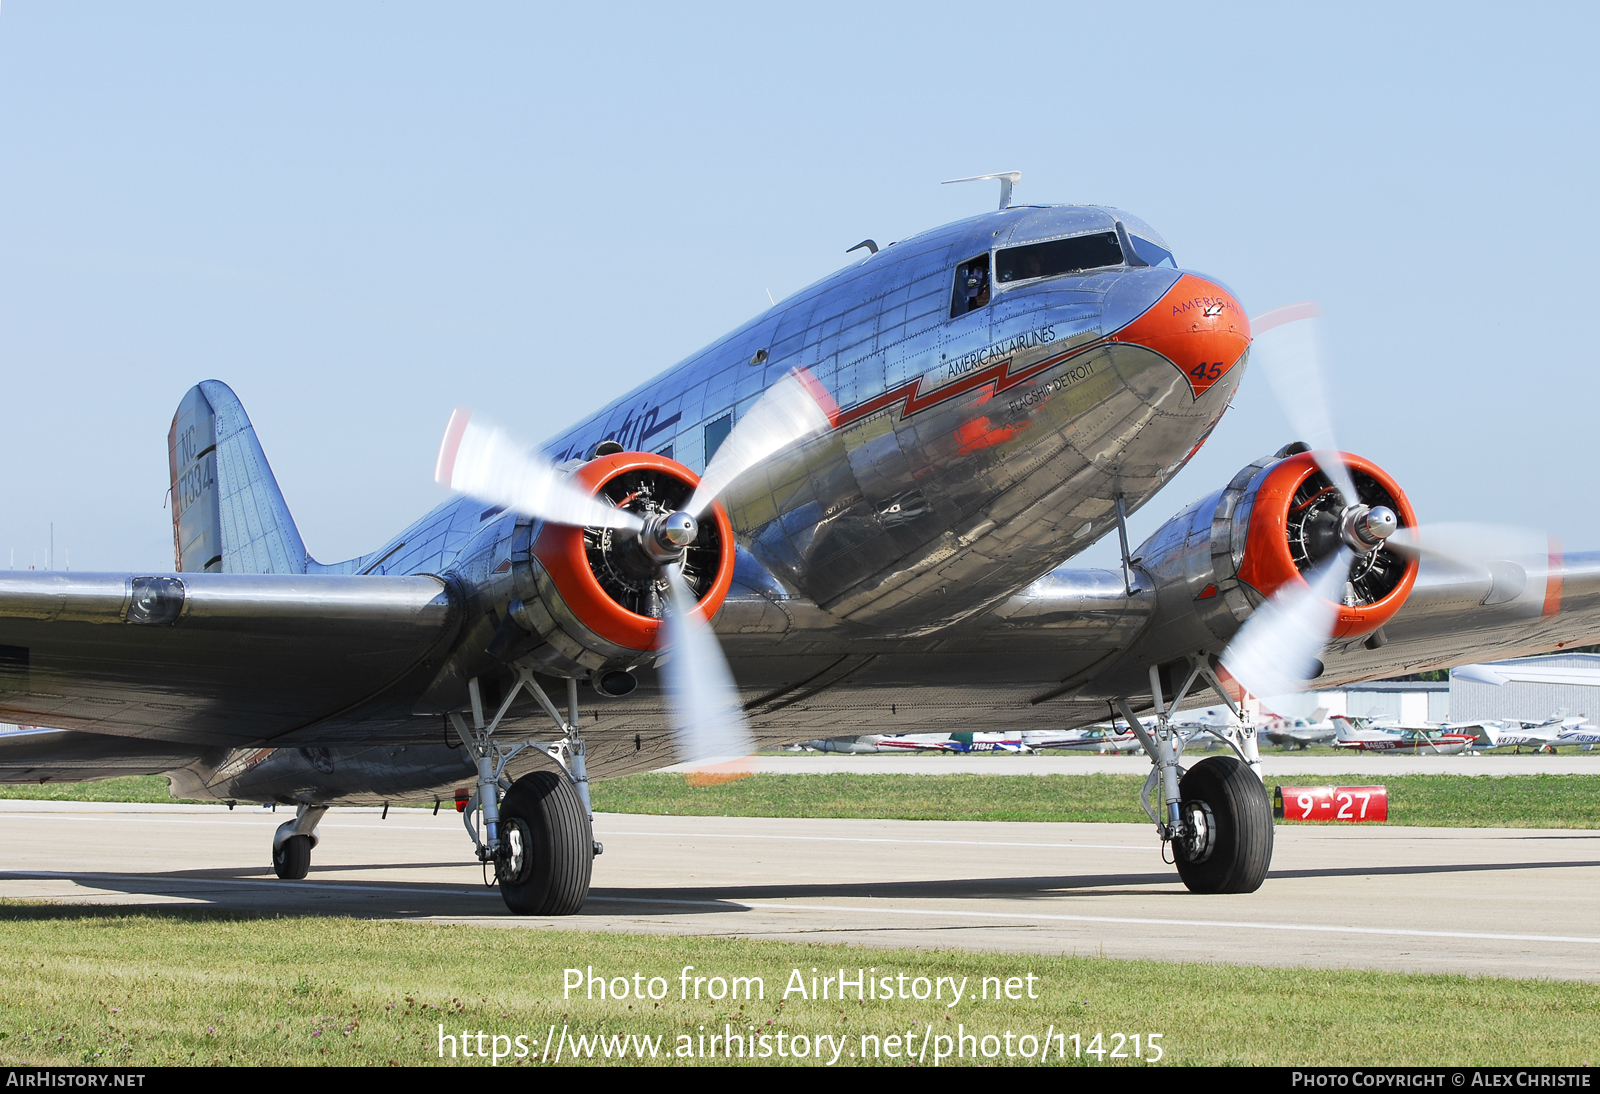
{"x":1008,"y":179}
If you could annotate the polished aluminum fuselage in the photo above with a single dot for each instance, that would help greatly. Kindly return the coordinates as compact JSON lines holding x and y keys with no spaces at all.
{"x":972,"y":453}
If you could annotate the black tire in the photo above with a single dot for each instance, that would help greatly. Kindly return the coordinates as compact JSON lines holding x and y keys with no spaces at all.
{"x":549,"y":873}
{"x":1242,"y":849}
{"x":291,"y":859}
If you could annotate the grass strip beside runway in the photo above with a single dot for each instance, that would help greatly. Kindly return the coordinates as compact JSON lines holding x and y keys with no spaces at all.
{"x":102,"y":986}
{"x":1444,"y":801}
{"x":124,"y":788}
{"x":1513,"y":801}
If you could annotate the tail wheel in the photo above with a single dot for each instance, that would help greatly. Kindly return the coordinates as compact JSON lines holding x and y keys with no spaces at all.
{"x":1234,"y":855}
{"x":549,"y":846}
{"x":291,"y":859}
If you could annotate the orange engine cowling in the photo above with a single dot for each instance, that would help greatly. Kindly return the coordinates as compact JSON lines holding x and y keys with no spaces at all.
{"x":589,"y":598}
{"x":1293,"y":524}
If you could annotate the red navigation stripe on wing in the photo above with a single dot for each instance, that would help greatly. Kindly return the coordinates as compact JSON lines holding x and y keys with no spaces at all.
{"x":997,"y":374}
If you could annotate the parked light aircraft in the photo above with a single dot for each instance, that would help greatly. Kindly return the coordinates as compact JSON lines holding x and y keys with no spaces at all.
{"x":920,"y":742}
{"x":1549,"y":735}
{"x":872,"y":491}
{"x":1355,"y":733}
{"x":1299,"y":733}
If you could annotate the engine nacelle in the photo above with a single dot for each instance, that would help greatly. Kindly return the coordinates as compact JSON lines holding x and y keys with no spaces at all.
{"x":1221,"y":558}
{"x":591,"y":600}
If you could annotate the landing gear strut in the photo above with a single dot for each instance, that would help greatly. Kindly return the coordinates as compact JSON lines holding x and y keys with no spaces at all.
{"x":1217,"y":817}
{"x":293,"y":841}
{"x":537,"y":834}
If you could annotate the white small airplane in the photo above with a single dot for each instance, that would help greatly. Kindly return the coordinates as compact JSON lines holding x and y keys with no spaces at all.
{"x":1355,"y":733}
{"x":1550,"y":734}
{"x":1105,"y":738}
{"x":920,"y":742}
{"x":1299,"y":733}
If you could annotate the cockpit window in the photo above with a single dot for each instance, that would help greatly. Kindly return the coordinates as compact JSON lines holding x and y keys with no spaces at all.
{"x":1152,"y":253}
{"x":972,"y":286}
{"x":1059,"y":256}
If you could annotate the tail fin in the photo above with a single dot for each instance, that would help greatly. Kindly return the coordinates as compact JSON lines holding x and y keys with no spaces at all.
{"x":228,"y":515}
{"x":1342,"y":729}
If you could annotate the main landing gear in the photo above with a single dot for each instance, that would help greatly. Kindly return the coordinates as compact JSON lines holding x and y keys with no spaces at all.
{"x":536,"y":834}
{"x":1216,"y":814}
{"x":293,"y":841}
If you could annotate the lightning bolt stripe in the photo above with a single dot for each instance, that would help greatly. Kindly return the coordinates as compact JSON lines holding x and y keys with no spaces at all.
{"x":913,"y":401}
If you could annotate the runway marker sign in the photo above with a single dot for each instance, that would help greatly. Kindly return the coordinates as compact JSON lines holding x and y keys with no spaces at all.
{"x":1356,"y":804}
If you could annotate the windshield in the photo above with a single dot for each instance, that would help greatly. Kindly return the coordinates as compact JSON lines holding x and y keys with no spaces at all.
{"x":1058,"y":256}
{"x":1153,"y":253}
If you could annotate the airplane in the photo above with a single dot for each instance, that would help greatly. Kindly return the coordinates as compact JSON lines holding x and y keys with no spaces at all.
{"x":1355,"y":733}
{"x":860,"y":506}
{"x":1299,"y":733}
{"x":920,"y":742}
{"x":1105,"y":739}
{"x":1548,"y":735}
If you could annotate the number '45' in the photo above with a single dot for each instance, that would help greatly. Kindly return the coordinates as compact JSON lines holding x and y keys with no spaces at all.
{"x":1203,"y":371}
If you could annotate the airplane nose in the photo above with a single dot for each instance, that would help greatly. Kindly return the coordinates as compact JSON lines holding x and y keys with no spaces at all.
{"x":1197,"y":325}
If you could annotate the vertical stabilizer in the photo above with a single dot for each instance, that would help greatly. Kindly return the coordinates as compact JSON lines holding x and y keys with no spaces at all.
{"x":228,"y":515}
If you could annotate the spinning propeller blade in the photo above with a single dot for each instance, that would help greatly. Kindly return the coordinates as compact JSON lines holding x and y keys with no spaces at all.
{"x":1275,"y":652}
{"x":487,"y":464}
{"x":1475,"y":546}
{"x":791,"y":410}
{"x":1287,"y":347}
{"x":709,"y":729}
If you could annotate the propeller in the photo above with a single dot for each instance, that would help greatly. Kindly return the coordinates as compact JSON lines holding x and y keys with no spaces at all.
{"x":486,"y":463}
{"x":1289,"y":350}
{"x":790,"y":411}
{"x":1275,"y":652}
{"x":709,"y":727}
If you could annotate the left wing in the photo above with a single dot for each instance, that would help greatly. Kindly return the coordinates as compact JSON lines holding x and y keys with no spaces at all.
{"x":46,"y":755}
{"x":207,"y":659}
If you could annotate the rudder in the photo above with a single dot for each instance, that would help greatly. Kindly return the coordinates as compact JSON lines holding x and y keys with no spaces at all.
{"x":228,"y":515}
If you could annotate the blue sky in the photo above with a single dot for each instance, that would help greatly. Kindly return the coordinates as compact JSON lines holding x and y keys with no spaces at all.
{"x":361,"y":215}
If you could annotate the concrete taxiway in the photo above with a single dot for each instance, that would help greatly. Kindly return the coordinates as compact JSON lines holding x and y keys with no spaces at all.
{"x":1512,"y":902}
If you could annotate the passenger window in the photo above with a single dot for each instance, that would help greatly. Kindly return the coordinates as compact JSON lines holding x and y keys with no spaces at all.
{"x":1058,"y":256}
{"x":972,"y":286}
{"x":716,"y":433}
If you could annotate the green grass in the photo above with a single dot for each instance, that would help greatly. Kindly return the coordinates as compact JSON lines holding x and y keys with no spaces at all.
{"x":1513,"y":801}
{"x":1447,"y":801}
{"x":125,"y":788}
{"x":883,"y":797}
{"x":103,"y":986}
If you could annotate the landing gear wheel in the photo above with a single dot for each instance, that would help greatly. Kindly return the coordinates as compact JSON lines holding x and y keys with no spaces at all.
{"x":547,"y":846}
{"x":291,"y":859}
{"x":1234,"y":855}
